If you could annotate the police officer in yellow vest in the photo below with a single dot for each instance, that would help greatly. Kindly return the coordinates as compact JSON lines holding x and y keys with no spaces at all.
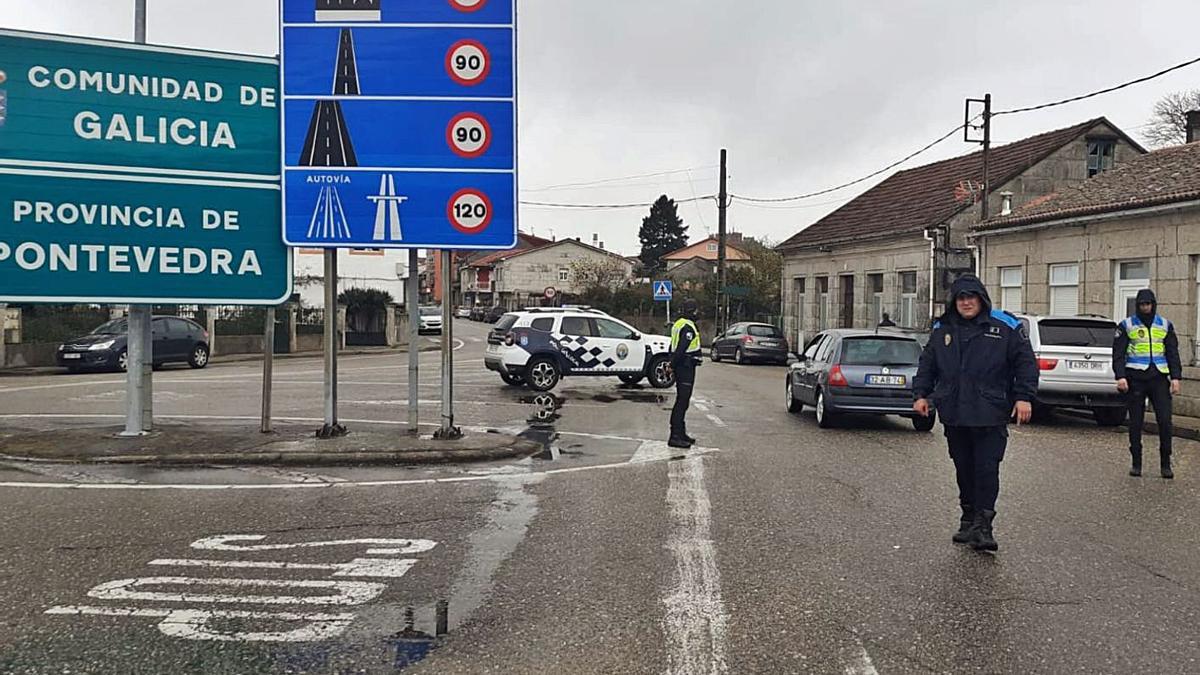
{"x":685,"y":357}
{"x":1146,"y":363}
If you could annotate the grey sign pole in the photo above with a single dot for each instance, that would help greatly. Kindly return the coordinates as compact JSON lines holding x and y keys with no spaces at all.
{"x":447,"y":431}
{"x":268,"y":369}
{"x":414,"y":337}
{"x":139,"y":344}
{"x":3,"y":323}
{"x":332,"y":428}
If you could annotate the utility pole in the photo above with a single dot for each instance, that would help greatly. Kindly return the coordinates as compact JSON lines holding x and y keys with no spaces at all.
{"x":413,"y":287}
{"x":987,"y":146}
{"x":722,"y":203}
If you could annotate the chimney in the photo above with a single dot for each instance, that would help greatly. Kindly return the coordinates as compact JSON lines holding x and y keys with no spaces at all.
{"x":1193,"y":126}
{"x":1006,"y":203}
{"x":601,"y":246}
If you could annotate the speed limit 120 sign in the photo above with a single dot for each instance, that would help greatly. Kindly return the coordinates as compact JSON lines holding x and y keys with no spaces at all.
{"x":470,"y":211}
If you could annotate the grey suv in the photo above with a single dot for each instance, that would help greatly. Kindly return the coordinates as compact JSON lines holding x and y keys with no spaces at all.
{"x":1074,"y":356}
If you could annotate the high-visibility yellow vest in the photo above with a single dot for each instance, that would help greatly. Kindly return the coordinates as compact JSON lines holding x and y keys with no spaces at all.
{"x":1147,"y":346}
{"x":677,"y":330}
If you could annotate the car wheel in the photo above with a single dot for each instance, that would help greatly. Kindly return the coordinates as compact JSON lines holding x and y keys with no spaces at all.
{"x":1110,"y":417}
{"x":824,"y":417}
{"x":199,"y":357}
{"x":631,"y":379}
{"x":543,"y":375}
{"x":661,"y":376}
{"x":513,"y":380}
{"x":714,"y":355}
{"x":793,"y":405}
{"x":925,"y":424}
{"x":123,"y":361}
{"x":739,"y":358}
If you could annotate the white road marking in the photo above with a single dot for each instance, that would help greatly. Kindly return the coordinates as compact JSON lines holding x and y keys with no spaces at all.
{"x":658,"y":451}
{"x":223,"y":542}
{"x":700,"y":406}
{"x":343,"y":592}
{"x":359,"y":567}
{"x":717,"y":421}
{"x":863,"y":665}
{"x":191,"y":624}
{"x":273,"y":472}
{"x":695,"y":620}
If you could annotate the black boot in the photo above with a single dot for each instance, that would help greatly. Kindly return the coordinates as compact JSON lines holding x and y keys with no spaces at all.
{"x":1165,"y":464}
{"x":983,"y":539}
{"x":687,"y":438}
{"x":966,"y":525}
{"x":1135,"y":469}
{"x":678,"y":442}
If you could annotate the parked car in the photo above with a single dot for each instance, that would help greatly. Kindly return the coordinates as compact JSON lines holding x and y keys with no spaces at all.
{"x":479,"y":312}
{"x":463,"y":312}
{"x":176,"y":340}
{"x":751,"y":342}
{"x":856,"y":372}
{"x":539,"y":348}
{"x":494,"y":314}
{"x":1074,"y":356}
{"x":431,"y":320}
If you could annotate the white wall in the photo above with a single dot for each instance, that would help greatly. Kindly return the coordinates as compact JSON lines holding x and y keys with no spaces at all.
{"x":356,"y":269}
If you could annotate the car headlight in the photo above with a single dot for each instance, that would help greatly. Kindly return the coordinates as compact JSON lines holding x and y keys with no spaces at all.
{"x":101,"y":346}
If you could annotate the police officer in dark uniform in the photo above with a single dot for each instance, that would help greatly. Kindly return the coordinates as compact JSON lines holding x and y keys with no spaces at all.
{"x":1147,"y":365}
{"x":978,"y":371}
{"x":685,"y":358}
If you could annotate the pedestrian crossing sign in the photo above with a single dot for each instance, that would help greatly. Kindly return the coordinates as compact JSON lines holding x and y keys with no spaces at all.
{"x":663,"y":290}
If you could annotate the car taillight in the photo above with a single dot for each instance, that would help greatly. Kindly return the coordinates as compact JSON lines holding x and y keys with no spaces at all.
{"x":746,"y":339}
{"x":510,"y":340}
{"x":836,"y":378}
{"x":1047,"y":364}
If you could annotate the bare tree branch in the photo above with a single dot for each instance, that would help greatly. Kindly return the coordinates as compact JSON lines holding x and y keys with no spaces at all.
{"x":1168,"y":123}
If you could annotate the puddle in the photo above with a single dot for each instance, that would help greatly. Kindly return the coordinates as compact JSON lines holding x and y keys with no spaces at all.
{"x":633,"y":395}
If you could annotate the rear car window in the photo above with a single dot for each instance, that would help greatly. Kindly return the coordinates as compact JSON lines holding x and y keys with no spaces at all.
{"x":1076,"y":333}
{"x":506,"y":322}
{"x":764,"y":331}
{"x":544,"y":324}
{"x":873,"y":351}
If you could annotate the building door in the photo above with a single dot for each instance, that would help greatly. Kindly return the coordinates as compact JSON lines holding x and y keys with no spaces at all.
{"x":848,"y":301}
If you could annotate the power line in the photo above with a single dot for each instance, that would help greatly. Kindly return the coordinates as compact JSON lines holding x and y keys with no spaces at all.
{"x":602,"y":207}
{"x":1093,"y":94}
{"x":618,"y":179}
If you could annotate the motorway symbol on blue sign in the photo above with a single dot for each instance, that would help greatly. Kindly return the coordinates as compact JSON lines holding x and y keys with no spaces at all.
{"x":414,"y":145}
{"x":138,"y":174}
{"x":663,"y":290}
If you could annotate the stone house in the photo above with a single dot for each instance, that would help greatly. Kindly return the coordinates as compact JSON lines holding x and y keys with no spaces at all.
{"x":897,"y":247}
{"x":692,"y":264}
{"x":476,"y":271}
{"x":522,"y":277}
{"x":1089,"y":248}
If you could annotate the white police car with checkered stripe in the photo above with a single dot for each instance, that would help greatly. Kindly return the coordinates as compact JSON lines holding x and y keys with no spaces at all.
{"x":538,"y":347}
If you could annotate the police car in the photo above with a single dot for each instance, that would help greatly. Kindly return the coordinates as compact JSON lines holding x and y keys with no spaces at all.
{"x":538,"y":347}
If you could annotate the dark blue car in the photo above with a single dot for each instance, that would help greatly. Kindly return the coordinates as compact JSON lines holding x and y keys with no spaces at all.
{"x":176,"y":340}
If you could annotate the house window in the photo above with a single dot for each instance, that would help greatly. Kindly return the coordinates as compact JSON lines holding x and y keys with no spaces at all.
{"x":1131,"y":277}
{"x":712,"y":247}
{"x":875,"y":281}
{"x":822,"y":303}
{"x":564,"y":274}
{"x":908,"y":299}
{"x":1100,"y":155}
{"x":1012,"y":291}
{"x":1064,"y":289}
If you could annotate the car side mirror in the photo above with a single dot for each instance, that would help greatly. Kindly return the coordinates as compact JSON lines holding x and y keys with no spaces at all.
{"x":635,"y":336}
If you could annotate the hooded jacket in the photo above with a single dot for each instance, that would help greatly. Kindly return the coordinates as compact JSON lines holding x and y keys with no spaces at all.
{"x":974,"y":370}
{"x":1170,"y":343}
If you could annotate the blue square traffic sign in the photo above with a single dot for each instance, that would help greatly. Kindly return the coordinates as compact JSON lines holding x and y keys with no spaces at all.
{"x":399,"y":123}
{"x":663,"y":290}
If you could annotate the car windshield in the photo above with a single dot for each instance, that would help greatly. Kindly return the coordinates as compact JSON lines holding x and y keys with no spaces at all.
{"x":876,"y":351}
{"x":1076,"y":333}
{"x":764,"y":331}
{"x":114,"y":327}
{"x":431,"y":311}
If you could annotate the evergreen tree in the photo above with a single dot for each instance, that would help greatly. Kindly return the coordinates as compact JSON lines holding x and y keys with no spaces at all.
{"x":662,"y":231}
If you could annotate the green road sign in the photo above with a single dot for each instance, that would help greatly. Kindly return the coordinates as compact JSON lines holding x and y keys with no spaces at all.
{"x":136,"y":173}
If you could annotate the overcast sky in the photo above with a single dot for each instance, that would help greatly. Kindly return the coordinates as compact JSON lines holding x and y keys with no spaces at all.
{"x":805,"y":94}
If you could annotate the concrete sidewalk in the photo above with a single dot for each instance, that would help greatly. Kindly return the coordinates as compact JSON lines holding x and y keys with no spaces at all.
{"x":291,"y":445}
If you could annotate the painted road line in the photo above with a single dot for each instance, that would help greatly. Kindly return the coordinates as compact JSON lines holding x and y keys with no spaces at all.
{"x":191,"y":624}
{"x":700,"y":406}
{"x":227,"y":542}
{"x":359,"y":567}
{"x":695,"y":619}
{"x":862,"y":665}
{"x":342,"y":592}
{"x":658,"y":451}
{"x":717,"y":421}
{"x":284,"y":474}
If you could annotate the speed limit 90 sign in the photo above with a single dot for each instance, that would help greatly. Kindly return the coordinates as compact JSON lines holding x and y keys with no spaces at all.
{"x":469,"y":135}
{"x":468,"y":5}
{"x":470,"y":211}
{"x":468,"y":62}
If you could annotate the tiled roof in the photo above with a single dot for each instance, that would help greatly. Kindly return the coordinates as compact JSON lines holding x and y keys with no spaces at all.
{"x":1162,"y":177}
{"x":914,"y":199}
{"x":732,"y":252}
{"x":524,"y":243}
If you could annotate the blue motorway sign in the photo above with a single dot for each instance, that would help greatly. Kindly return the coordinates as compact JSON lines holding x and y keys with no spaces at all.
{"x":399,"y":123}
{"x":138,"y":174}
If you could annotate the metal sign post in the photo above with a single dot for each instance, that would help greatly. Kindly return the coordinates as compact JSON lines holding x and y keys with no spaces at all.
{"x":268,"y":368}
{"x":414,"y":337}
{"x":332,"y":428}
{"x":139,"y":340}
{"x":447,"y":431}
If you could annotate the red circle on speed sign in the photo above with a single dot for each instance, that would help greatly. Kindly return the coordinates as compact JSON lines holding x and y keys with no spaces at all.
{"x":469,"y":211}
{"x":469,"y":135}
{"x":550,"y":292}
{"x":468,"y":62}
{"x":468,"y":5}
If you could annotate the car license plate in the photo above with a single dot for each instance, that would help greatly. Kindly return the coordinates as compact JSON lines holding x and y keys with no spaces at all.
{"x":889,"y":380}
{"x":1085,"y":365}
{"x":72,"y":356}
{"x":769,"y":343}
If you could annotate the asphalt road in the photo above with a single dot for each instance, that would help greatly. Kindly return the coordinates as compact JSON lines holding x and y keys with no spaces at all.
{"x":772,"y":547}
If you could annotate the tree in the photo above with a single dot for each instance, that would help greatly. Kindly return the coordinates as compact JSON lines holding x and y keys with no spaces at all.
{"x":591,"y":274}
{"x":1168,"y":123}
{"x":662,"y":231}
{"x":364,"y":307}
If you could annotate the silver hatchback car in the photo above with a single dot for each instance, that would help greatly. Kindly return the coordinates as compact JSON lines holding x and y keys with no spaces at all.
{"x":1074,"y":355}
